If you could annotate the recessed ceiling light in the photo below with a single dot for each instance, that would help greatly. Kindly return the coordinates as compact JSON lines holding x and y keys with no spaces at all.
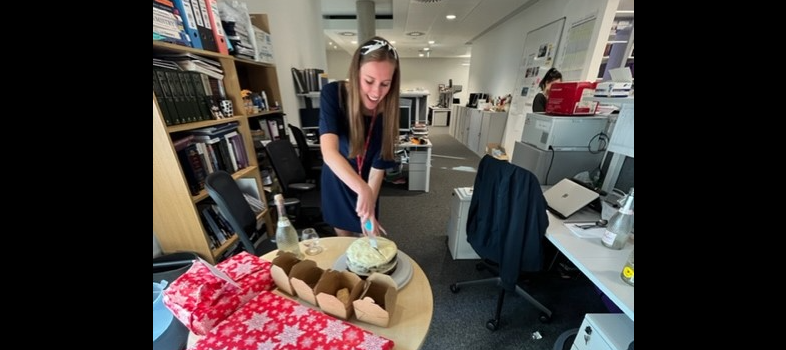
{"x":431,"y":42}
{"x":426,"y":48}
{"x":420,"y":54}
{"x":346,"y":33}
{"x":392,"y":41}
{"x":416,"y":33}
{"x":354,"y":41}
{"x":450,"y":16}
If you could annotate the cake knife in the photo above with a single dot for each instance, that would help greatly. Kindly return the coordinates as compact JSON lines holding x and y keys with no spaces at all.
{"x":372,"y":238}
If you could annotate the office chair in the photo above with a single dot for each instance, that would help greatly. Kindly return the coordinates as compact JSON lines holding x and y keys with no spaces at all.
{"x":506,"y":225}
{"x":313,"y":170}
{"x":223,"y":189}
{"x":291,"y":176}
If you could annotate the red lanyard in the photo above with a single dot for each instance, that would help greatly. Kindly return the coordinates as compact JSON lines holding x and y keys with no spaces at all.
{"x":360,"y":158}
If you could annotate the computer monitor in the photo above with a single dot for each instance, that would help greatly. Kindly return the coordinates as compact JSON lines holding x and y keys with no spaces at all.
{"x":405,"y":115}
{"x":309,"y":118}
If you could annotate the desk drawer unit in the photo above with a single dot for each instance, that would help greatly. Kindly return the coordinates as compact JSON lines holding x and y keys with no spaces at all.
{"x":604,"y":332}
{"x":418,"y":156}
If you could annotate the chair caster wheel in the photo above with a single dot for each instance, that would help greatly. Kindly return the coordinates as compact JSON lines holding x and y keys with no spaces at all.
{"x":544,"y":318}
{"x":492,"y":325}
{"x":454,"y":288}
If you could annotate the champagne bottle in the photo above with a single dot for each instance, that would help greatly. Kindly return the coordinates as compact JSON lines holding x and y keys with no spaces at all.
{"x":620,"y":225}
{"x":286,"y":236}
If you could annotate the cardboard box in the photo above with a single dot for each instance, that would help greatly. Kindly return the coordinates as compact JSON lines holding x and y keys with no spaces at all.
{"x":304,"y":277}
{"x":327,"y":287}
{"x":620,"y":85}
{"x":613,"y":89}
{"x":377,"y":304}
{"x":282,"y":265}
{"x":496,"y":150}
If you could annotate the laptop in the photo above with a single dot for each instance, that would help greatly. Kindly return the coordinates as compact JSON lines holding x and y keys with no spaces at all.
{"x":568,"y":197}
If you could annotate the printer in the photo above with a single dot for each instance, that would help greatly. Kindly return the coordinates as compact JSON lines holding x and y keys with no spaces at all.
{"x":620,"y":85}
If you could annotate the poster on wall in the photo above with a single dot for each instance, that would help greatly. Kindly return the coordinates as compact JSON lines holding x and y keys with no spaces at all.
{"x":576,"y":48}
{"x":540,"y":52}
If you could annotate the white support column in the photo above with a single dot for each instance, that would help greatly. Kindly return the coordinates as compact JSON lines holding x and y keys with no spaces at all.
{"x":366,"y":20}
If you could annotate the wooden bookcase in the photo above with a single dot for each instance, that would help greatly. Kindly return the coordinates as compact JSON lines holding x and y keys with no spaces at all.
{"x":176,"y":220}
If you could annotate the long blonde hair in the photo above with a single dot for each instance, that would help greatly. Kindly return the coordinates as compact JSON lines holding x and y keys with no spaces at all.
{"x":375,"y":49}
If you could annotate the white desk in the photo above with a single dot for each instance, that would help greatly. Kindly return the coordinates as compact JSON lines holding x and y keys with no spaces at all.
{"x":419,"y":165}
{"x":600,"y":264}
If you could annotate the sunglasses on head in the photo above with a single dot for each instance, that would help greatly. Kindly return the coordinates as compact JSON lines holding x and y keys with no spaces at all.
{"x":377,"y":44}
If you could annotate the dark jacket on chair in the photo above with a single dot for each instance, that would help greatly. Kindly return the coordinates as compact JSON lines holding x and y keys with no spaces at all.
{"x":507,"y":218}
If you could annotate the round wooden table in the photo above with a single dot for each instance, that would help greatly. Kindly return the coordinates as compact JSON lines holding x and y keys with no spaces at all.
{"x":414,"y":304}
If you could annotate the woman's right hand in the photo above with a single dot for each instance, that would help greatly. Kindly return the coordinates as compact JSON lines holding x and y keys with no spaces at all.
{"x":365,"y":204}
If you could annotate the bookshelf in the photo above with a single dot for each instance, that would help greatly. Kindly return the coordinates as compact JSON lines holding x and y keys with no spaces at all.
{"x":619,"y":46}
{"x":176,"y":219}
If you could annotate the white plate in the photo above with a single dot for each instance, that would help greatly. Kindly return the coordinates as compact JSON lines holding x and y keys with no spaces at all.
{"x":401,"y":276}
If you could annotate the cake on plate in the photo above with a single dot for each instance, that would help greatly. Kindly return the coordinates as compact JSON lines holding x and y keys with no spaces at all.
{"x":363,"y":259}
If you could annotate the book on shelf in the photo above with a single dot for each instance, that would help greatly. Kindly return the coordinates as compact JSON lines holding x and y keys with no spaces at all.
{"x":203,"y":24}
{"x":168,"y":25}
{"x":189,"y":21}
{"x":300,"y":82}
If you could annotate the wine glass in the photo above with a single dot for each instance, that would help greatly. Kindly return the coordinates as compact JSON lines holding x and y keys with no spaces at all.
{"x":310,"y":239}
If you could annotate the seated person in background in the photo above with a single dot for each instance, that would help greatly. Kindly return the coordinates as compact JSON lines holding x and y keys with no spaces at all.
{"x":552,"y":76}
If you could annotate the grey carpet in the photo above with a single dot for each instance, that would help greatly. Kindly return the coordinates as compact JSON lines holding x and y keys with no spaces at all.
{"x":417,"y":221}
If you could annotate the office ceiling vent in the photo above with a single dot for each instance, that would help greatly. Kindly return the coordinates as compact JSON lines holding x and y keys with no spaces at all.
{"x":427,"y":1}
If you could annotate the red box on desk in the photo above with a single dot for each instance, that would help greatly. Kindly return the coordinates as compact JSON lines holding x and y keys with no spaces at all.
{"x":567,"y":98}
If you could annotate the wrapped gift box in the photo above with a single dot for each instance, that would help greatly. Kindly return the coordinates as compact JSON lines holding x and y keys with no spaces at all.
{"x":200,"y":299}
{"x":270,"y":321}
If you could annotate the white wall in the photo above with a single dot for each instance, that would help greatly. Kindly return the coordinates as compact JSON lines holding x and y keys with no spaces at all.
{"x":425,"y":73}
{"x":338,"y":64}
{"x":298,"y":41}
{"x":497,"y":55}
{"x":428,"y":73}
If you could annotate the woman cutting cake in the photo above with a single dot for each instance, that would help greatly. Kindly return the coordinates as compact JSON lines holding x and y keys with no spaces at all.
{"x":358,"y":127}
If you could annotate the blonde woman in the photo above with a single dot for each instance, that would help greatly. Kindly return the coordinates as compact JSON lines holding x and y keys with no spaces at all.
{"x":358,"y":127}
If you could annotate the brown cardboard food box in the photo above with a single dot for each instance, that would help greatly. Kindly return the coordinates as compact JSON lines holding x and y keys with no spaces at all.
{"x":328,"y":286}
{"x":304,"y":277}
{"x":377,"y":304}
{"x":282,"y":265}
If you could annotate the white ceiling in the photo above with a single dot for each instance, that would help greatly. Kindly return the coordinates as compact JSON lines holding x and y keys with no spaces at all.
{"x":473,"y":18}
{"x":451,"y":37}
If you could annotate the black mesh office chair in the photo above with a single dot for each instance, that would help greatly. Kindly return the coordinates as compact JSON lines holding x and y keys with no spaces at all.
{"x":313,"y":169}
{"x":292,"y":178}
{"x":506,"y":225}
{"x":223,"y":189}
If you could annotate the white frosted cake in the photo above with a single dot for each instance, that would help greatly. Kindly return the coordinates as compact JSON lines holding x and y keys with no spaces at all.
{"x":362,"y":259}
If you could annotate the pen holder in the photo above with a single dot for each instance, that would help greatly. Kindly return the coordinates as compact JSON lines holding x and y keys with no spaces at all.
{"x":226,"y":108}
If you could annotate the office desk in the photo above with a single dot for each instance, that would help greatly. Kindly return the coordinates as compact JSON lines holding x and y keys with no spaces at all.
{"x":600,"y":264}
{"x":414,"y":305}
{"x":419,"y":165}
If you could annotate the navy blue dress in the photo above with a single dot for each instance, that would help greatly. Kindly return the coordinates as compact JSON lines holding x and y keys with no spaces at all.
{"x":338,"y":200}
